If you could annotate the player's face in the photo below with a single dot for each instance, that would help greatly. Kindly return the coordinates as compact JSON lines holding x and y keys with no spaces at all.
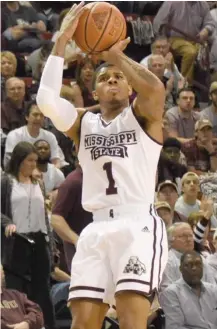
{"x":111,"y":86}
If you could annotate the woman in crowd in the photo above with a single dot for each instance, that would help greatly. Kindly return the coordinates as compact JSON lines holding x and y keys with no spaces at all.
{"x":82,"y":88}
{"x":8,"y":68}
{"x":23,"y":211}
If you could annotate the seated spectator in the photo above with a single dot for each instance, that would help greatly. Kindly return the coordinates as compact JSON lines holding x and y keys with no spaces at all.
{"x":190,"y":302}
{"x":212,"y":259}
{"x":169,"y":167}
{"x":168,"y":192}
{"x":38,"y":56}
{"x":161,"y":46}
{"x":157,"y":65}
{"x":20,"y":25}
{"x":164,"y":211}
{"x":181,"y":240}
{"x":31,"y":133}
{"x":201,"y":151}
{"x":210,"y":112}
{"x":188,"y":202}
{"x":17,"y":311}
{"x":83,"y":87}
{"x":8,"y":69}
{"x":23,"y":205}
{"x":201,"y":28}
{"x":182,"y":118}
{"x":13,"y":107}
{"x":52,"y":176}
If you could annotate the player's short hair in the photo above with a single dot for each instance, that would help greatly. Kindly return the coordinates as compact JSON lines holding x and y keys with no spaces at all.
{"x":97,"y":71}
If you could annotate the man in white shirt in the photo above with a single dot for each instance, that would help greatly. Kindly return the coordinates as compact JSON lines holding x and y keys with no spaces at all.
{"x":31,"y":133}
{"x":52,"y":176}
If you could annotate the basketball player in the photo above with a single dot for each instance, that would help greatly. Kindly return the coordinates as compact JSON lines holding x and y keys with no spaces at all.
{"x":124,"y":251}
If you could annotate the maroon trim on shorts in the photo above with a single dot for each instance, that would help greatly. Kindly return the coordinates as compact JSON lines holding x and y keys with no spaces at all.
{"x":161,"y":252}
{"x":149,"y":296}
{"x":85,"y":298}
{"x":133,"y":280}
{"x":87,"y":288}
{"x":154,"y":248}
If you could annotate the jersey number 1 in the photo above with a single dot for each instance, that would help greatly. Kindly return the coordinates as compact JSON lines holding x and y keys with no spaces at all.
{"x":111,"y":189}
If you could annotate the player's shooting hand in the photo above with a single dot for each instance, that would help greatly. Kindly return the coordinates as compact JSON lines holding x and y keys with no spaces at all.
{"x":70,"y":22}
{"x":114,"y":51}
{"x":10,"y":229}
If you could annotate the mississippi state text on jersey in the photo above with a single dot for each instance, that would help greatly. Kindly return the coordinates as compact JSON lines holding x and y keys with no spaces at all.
{"x":119,"y":161}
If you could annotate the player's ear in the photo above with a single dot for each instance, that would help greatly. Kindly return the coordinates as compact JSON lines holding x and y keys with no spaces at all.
{"x":95,"y":97}
{"x":130,"y":90}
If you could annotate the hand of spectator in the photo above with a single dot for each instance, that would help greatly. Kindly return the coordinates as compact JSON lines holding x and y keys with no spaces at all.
{"x":21,"y":325}
{"x":169,"y":61}
{"x":70,"y":21}
{"x":10,"y":229}
{"x":206,"y":207}
{"x":203,"y":35}
{"x":181,"y":83}
{"x":170,"y":84}
{"x":208,"y":145}
{"x":17,"y":32}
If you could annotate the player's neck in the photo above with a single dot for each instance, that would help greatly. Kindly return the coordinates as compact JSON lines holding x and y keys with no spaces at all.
{"x":109,"y":112}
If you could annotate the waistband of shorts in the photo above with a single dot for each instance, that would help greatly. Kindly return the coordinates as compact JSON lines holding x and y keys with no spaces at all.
{"x":116,"y":212}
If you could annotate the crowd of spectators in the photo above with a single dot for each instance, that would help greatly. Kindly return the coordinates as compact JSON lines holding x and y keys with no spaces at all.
{"x":41,"y":183}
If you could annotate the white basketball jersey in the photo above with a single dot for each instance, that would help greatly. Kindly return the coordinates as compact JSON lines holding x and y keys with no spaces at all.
{"x":119,"y":162}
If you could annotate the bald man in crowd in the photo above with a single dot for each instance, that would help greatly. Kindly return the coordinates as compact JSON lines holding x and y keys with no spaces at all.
{"x":12,"y":109}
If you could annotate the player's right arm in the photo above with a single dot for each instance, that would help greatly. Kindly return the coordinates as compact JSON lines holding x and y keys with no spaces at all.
{"x":62,"y":113}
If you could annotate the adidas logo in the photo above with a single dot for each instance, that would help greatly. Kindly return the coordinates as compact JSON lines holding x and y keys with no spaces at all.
{"x":145,"y":229}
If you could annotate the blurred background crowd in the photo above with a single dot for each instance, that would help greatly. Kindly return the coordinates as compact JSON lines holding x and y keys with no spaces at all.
{"x":41,"y":221}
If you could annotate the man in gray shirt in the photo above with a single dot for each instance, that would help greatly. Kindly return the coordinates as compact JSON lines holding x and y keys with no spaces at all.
{"x":182,"y":118}
{"x":189,"y":302}
{"x":194,"y":20}
{"x":210,"y":112}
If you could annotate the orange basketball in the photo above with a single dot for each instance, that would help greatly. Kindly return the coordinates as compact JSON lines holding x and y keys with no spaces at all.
{"x":100,"y":27}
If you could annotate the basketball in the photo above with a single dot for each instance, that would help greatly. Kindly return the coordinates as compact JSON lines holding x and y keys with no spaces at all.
{"x":100,"y":27}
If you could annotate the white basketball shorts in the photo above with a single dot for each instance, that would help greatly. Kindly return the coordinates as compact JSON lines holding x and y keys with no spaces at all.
{"x":124,"y":249}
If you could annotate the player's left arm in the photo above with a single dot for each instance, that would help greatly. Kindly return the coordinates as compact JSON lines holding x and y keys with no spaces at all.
{"x":149,"y":103}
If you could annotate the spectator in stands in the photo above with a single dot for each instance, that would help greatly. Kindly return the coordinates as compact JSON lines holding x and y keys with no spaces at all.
{"x":157,"y":65}
{"x":212,"y":259}
{"x":20,"y":26}
{"x":13,"y":107}
{"x":23,"y":203}
{"x":52,"y":176}
{"x":182,"y":118}
{"x":68,"y":216}
{"x":197,"y":25}
{"x":169,"y":167}
{"x":161,"y":46}
{"x":181,"y":240}
{"x":31,"y":133}
{"x":188,"y":202}
{"x":190,"y":302}
{"x":83,"y":87}
{"x":38,"y":56}
{"x":210,"y":112}
{"x":164,"y":211}
{"x":17,"y":311}
{"x":201,"y":152}
{"x":168,"y":192}
{"x":8,"y":69}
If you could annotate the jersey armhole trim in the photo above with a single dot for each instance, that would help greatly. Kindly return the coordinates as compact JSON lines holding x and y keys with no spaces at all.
{"x":79,"y":130}
{"x":136,"y":118}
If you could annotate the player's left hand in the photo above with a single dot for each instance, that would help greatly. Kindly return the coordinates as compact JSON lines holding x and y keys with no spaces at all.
{"x":114,"y":51}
